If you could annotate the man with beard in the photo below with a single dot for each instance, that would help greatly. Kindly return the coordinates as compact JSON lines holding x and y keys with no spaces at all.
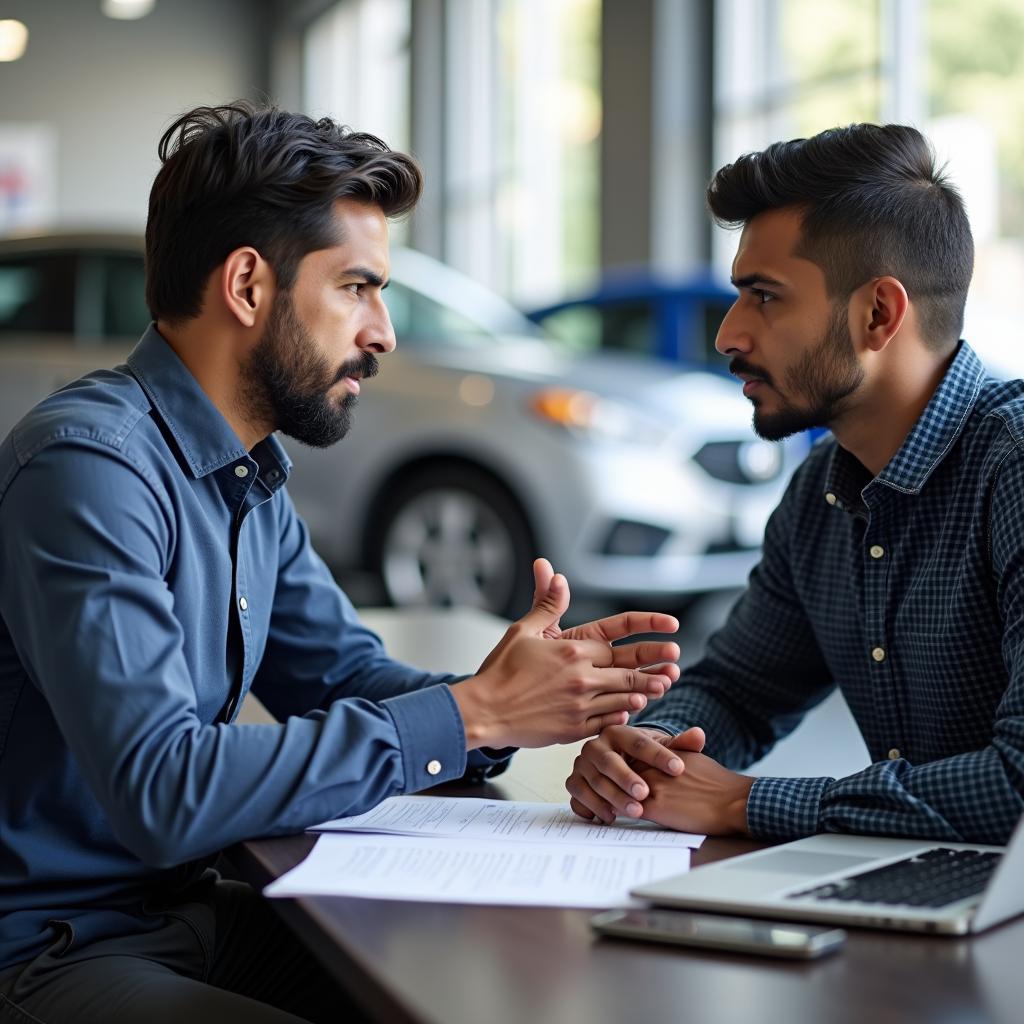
{"x":893,"y":568}
{"x":153,"y":571}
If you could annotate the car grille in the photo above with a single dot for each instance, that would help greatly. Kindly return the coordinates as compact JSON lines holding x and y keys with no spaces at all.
{"x":634,"y":539}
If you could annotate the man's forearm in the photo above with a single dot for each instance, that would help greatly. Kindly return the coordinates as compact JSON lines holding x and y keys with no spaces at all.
{"x":971,"y":797}
{"x":731,"y":740}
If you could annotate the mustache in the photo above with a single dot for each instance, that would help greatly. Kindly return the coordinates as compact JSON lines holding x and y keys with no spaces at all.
{"x":739,"y":365}
{"x":363,"y":366}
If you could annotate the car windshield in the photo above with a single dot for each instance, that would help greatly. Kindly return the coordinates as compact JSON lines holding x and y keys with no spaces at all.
{"x":37,"y":293}
{"x":83,"y":290}
{"x":628,"y":326}
{"x":431,"y":303}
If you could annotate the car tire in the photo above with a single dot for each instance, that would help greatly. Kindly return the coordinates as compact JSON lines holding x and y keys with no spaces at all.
{"x":452,"y":535}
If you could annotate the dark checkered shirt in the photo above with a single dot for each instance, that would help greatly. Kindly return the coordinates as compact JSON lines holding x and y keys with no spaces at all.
{"x":906,"y":591}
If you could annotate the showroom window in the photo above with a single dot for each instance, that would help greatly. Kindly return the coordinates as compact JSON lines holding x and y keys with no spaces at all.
{"x":522,"y":118}
{"x":790,"y":68}
{"x":517,"y":124}
{"x":355,"y":68}
{"x":975,"y":99}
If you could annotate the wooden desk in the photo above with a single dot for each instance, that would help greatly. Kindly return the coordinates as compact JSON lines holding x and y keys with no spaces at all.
{"x":445,"y":964}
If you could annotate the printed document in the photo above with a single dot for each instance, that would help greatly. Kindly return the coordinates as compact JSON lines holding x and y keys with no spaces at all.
{"x":490,"y":871}
{"x":506,"y":820}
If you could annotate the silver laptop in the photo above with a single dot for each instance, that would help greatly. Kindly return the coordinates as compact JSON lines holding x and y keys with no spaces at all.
{"x":905,"y":884}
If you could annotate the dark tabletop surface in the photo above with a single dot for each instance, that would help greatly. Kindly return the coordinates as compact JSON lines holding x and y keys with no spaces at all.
{"x":459,"y":964}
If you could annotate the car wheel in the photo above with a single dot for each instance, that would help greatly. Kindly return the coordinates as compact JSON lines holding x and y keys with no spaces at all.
{"x":452,"y":536}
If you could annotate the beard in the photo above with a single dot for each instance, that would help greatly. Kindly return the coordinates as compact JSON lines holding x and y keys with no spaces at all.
{"x":285,"y":381}
{"x":815,"y":389}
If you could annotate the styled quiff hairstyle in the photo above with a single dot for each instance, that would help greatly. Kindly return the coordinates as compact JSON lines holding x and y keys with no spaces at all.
{"x":873,"y":204}
{"x":241,"y":175}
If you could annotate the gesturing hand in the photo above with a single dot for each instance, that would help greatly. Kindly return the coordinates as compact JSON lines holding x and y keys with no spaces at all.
{"x":543,"y":685}
{"x":655,"y":660}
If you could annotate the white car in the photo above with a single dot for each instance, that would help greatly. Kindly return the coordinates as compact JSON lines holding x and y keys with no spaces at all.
{"x":480,"y":445}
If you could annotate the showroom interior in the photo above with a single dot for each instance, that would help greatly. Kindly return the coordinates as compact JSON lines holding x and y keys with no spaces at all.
{"x":565,"y":146}
{"x":556,"y":293}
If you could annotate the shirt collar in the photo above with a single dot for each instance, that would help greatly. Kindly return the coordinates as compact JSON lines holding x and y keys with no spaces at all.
{"x":927,"y":444}
{"x":204,"y":438}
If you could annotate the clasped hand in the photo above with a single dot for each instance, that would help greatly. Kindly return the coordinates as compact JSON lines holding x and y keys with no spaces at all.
{"x":544,"y":685}
{"x":646,"y":773}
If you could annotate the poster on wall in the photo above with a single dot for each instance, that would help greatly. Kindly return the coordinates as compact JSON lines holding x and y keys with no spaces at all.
{"x":28,"y":176}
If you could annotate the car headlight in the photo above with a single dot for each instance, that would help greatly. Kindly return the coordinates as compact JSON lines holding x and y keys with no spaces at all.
{"x":760,"y":460}
{"x":585,"y":413}
{"x":741,"y":462}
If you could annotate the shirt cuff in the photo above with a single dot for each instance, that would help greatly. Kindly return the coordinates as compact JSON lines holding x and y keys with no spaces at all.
{"x":430,"y":735}
{"x":654,"y":723}
{"x":780,"y":808}
{"x":487,"y":763}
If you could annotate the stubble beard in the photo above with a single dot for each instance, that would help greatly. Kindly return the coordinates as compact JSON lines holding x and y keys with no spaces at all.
{"x":824,"y":378}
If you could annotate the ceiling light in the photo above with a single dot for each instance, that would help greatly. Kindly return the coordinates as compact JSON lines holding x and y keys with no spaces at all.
{"x":13,"y":39}
{"x":127,"y":10}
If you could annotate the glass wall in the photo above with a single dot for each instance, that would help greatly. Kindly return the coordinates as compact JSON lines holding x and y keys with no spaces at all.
{"x":519,"y":118}
{"x":975,"y":95}
{"x":521,"y":122}
{"x":790,"y":68}
{"x":355,"y":68}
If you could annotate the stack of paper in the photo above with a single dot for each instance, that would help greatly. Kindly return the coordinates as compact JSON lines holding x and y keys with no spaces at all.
{"x":469,"y":850}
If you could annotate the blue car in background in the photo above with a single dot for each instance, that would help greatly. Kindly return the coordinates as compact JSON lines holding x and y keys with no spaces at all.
{"x":641,"y":313}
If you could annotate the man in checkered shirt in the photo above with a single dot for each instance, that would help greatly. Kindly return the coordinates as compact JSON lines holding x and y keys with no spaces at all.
{"x":894,"y":566}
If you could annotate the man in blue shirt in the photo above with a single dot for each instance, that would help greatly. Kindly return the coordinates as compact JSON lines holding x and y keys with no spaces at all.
{"x":894,"y":565}
{"x":153,"y":571}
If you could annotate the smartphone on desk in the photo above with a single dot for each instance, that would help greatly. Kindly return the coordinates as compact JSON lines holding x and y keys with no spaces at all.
{"x":729,"y":934}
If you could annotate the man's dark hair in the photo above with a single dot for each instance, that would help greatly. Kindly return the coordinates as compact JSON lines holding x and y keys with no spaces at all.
{"x":240,"y":175}
{"x":873,"y":204}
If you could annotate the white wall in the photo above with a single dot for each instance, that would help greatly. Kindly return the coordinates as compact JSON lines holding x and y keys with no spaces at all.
{"x":110,"y":88}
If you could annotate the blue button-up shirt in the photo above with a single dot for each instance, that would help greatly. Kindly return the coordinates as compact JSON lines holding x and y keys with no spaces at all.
{"x":152,"y":572}
{"x":905,"y":590}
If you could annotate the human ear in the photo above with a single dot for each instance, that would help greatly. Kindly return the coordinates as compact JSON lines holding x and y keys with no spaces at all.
{"x":246,"y":285}
{"x":884,"y":307}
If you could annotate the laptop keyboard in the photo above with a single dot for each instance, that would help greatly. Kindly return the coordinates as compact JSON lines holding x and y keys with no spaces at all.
{"x":935,"y":878}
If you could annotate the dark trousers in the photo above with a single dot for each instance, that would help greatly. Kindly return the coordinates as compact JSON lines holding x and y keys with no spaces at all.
{"x":222,"y":957}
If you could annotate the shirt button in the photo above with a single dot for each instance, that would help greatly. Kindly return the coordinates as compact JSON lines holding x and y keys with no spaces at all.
{"x":877,"y":551}
{"x":878,"y":654}
{"x":894,"y":754}
{"x":830,"y":498}
{"x":243,"y":604}
{"x":241,"y":471}
{"x":433,"y":767}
